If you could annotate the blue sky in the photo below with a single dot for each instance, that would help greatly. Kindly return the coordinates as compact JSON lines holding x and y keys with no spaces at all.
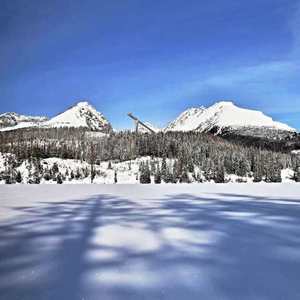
{"x":153,"y":58}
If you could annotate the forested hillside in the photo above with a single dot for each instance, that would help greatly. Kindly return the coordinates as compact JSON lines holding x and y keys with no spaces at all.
{"x":195,"y":156}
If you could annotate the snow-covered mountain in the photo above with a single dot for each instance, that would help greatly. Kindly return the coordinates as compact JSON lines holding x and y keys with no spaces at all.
{"x":12,"y":119}
{"x":223,"y":116}
{"x":81,"y":114}
{"x":186,"y":121}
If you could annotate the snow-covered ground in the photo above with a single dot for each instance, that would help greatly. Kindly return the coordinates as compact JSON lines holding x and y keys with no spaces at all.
{"x":208,"y":241}
{"x":127,"y":171}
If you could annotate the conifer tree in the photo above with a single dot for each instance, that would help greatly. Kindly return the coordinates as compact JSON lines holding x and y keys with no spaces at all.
{"x":219,"y":174}
{"x":55,"y":168}
{"x":19,"y":177}
{"x":184,"y":178}
{"x":145,"y":176}
{"x":163,"y":168}
{"x":275,"y":173}
{"x":257,"y":173}
{"x":297,"y":174}
{"x":157,"y":176}
{"x":59,"y":179}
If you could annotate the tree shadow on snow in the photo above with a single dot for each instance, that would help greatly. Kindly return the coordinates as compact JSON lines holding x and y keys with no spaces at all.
{"x":223,"y":246}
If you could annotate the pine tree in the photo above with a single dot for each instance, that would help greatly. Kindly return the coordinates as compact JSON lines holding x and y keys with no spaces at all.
{"x":177,"y":169}
{"x":191,"y":166}
{"x":275,"y":173}
{"x":257,"y":174}
{"x":199,"y":177}
{"x":78,"y":174}
{"x":115,"y":177}
{"x":47,"y":176}
{"x":35,"y":178}
{"x":145,"y":174}
{"x":163,"y":168}
{"x":220,"y":174}
{"x":209,"y":170}
{"x":184,"y":178}
{"x":55,"y":168}
{"x":243,"y":168}
{"x":19,"y":177}
{"x":257,"y":171}
{"x":8,"y":179}
{"x":157,"y":176}
{"x":152,"y":167}
{"x":169,"y":176}
{"x":86,"y":172}
{"x":297,"y":174}
{"x":59,"y":179}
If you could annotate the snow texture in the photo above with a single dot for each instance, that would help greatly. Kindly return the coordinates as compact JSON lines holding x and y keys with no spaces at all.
{"x":221,"y":115}
{"x":152,"y":242}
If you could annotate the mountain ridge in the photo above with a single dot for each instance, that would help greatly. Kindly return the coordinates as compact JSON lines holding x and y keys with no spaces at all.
{"x":12,"y":119}
{"x":221,"y":116}
{"x":81,"y":114}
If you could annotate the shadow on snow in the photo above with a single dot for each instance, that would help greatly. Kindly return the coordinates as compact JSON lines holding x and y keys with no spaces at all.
{"x":225,"y":246}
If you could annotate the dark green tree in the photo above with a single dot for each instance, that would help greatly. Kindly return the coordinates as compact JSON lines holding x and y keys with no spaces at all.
{"x":145,"y":176}
{"x":19,"y":177}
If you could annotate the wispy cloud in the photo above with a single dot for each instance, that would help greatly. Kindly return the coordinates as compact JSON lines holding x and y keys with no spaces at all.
{"x":254,"y":74}
{"x":295,"y":30}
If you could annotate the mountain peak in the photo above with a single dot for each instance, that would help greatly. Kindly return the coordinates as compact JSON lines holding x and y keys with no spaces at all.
{"x":82,"y":104}
{"x":82,"y":114}
{"x":223,"y":115}
{"x":224,"y":103}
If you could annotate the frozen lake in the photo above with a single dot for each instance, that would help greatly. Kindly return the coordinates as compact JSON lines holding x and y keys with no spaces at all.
{"x":206,"y":241}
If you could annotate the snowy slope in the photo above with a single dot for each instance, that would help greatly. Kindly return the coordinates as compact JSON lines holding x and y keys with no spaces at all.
{"x":14,"y":119}
{"x":80,"y":115}
{"x":187,"y":121}
{"x":223,"y":115}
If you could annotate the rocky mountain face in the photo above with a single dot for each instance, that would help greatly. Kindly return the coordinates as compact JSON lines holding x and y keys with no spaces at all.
{"x":81,"y":114}
{"x":12,"y":119}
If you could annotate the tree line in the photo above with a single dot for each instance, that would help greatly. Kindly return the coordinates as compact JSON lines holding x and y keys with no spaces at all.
{"x":205,"y":156}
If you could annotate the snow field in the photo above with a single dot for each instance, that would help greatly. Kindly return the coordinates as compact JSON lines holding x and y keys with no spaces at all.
{"x":208,"y":241}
